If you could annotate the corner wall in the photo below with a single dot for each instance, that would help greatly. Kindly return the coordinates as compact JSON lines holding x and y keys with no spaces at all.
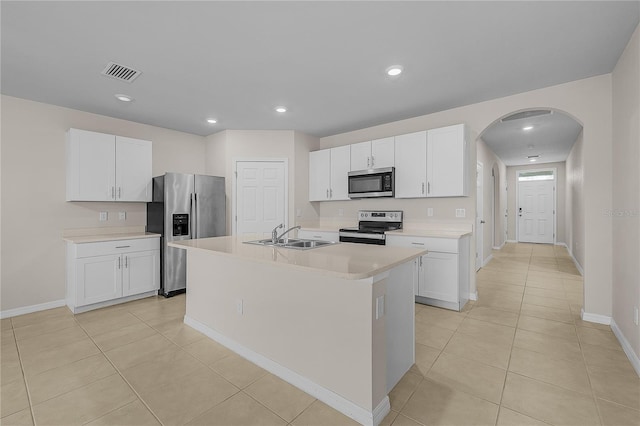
{"x":34,"y":210}
{"x":625,"y":211}
{"x":575,"y":231}
{"x":491,"y":163}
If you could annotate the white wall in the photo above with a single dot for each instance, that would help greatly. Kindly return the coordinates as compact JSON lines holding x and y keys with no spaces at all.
{"x":512,"y":184}
{"x":626,"y":191}
{"x":34,"y":211}
{"x":494,"y":235}
{"x":574,"y":202}
{"x":589,"y":102}
{"x":223,"y":148}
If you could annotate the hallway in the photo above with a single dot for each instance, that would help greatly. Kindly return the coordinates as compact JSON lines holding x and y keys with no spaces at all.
{"x":521,"y":353}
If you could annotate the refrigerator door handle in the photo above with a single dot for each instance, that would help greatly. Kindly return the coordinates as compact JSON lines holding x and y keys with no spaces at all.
{"x":195,"y":214}
{"x":191,"y":220}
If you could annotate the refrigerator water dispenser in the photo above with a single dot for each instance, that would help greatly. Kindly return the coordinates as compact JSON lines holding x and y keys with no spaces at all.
{"x":180,"y":224}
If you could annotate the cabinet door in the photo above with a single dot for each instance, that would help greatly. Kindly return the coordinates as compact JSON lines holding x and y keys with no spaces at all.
{"x":99,"y":278}
{"x":411,"y":165}
{"x":140,"y":272}
{"x":382,"y":152}
{"x":439,"y":276}
{"x":133,"y":169}
{"x":90,"y":166}
{"x":319,"y":175}
{"x":340,"y":167}
{"x":447,"y":162}
{"x":361,"y":156}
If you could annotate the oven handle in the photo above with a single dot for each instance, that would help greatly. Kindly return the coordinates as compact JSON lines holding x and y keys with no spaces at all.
{"x":360,"y":235}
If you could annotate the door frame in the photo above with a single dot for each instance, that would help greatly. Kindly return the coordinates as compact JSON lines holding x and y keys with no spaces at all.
{"x":479,"y":229}
{"x":555,"y":200}
{"x":234,"y":187}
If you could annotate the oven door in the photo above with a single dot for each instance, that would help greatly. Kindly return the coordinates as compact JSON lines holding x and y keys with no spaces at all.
{"x":371,"y":183}
{"x":361,"y":238}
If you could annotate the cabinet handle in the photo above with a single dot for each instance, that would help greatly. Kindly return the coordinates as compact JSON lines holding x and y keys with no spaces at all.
{"x":327,"y":194}
{"x":317,"y":236}
{"x":372,"y":160}
{"x":113,"y":192}
{"x":118,"y":263}
{"x":368,"y":162}
{"x":126,"y":261}
{"x":119,"y":192}
{"x":423,"y":187}
{"x":123,"y":246}
{"x":428,"y":187}
{"x":331,"y":193}
{"x":418,"y":244}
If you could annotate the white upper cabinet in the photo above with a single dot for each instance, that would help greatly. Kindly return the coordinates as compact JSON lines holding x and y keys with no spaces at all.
{"x":447,"y":162}
{"x":328,"y":173}
{"x":411,"y":165}
{"x":375,"y":154}
{"x":103,"y":167}
{"x":319,"y":175}
{"x":133,"y":169}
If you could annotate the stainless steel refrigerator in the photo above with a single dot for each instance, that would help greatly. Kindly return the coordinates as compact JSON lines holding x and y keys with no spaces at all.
{"x":184,"y":207}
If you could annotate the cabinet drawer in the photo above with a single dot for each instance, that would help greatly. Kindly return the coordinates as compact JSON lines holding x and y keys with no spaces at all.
{"x":115,"y":247}
{"x":445,"y":245}
{"x":318,"y":235}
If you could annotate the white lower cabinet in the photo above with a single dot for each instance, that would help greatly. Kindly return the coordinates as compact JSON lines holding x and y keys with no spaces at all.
{"x":442,"y":275}
{"x":109,"y":272}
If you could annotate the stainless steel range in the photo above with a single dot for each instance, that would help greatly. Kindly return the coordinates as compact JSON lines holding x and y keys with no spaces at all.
{"x":371,"y":227}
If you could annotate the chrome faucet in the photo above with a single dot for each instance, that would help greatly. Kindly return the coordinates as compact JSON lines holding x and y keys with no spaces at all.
{"x":287,"y":231}
{"x":274,"y":233}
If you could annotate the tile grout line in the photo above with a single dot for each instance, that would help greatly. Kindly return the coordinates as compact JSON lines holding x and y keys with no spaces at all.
{"x":24,"y":378}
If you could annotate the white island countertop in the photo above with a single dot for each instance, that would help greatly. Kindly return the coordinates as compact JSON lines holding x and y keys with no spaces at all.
{"x":343,"y":260}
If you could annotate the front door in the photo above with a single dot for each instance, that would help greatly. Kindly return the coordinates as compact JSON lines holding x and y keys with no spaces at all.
{"x":536,"y":211}
{"x":260,"y":198}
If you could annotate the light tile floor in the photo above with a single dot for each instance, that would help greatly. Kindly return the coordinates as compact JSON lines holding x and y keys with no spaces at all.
{"x":520,"y":355}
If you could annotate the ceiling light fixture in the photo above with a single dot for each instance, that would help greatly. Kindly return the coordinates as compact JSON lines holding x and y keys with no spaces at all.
{"x":527,"y":128}
{"x":533,"y":158}
{"x":212,"y":120}
{"x":281,"y":109}
{"x":123,"y":98}
{"x":394,"y":70}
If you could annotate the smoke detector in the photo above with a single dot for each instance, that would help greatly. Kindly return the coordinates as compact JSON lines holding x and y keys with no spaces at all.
{"x":120,"y":72}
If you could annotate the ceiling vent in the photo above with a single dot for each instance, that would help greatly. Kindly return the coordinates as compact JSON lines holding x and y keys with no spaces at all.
{"x":526,"y":114}
{"x":120,"y":72}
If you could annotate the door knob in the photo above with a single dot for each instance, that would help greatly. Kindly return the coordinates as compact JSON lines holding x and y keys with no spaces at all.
{"x":482,"y":221}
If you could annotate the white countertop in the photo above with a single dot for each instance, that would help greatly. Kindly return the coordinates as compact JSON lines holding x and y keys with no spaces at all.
{"x":80,"y":239}
{"x":345,"y":260}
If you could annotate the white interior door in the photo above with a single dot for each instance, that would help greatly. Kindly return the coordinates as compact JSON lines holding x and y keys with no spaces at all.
{"x":260,"y":197}
{"x":536,"y":211}
{"x":479,"y":218}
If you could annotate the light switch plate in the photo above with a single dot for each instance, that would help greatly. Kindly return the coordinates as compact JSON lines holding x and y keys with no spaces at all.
{"x":379,"y":306}
{"x":103,"y":216}
{"x":122,"y":215}
{"x":461,"y":213}
{"x":429,"y":211}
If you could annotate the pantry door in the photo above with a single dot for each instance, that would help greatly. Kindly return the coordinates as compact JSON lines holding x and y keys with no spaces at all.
{"x":536,"y":207}
{"x":260,"y":197}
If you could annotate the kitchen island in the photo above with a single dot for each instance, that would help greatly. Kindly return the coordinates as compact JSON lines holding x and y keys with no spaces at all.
{"x":335,"y":321}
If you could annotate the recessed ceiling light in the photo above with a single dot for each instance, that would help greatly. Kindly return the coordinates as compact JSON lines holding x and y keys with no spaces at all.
{"x":394,"y":70}
{"x":527,"y":128}
{"x":281,"y":109}
{"x":212,"y":120}
{"x":123,"y":98}
{"x":533,"y":160}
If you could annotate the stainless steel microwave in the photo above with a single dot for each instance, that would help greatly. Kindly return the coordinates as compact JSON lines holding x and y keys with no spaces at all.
{"x":372,"y":183}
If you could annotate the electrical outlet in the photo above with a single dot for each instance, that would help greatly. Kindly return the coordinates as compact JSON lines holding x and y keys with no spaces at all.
{"x":429,"y":211}
{"x":340,"y":212}
{"x":298,"y":213}
{"x":635,"y":315}
{"x":103,"y":216}
{"x":122,"y":215}
{"x":239,"y":306}
{"x":461,"y":213}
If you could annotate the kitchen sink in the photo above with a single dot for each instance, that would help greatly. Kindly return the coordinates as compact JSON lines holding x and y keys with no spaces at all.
{"x":292,"y":243}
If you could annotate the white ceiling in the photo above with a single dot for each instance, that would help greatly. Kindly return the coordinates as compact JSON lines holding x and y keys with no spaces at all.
{"x":325,"y":61}
{"x":551,"y":137}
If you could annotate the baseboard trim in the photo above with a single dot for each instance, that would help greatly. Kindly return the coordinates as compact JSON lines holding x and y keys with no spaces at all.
{"x":348,"y":408}
{"x":575,"y":262}
{"x":500,"y":246}
{"x":473,"y":295}
{"x":512,"y":241}
{"x":31,"y":309}
{"x":626,"y":346}
{"x":597,"y":318}
{"x":487,"y":260}
{"x":562,"y":244}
